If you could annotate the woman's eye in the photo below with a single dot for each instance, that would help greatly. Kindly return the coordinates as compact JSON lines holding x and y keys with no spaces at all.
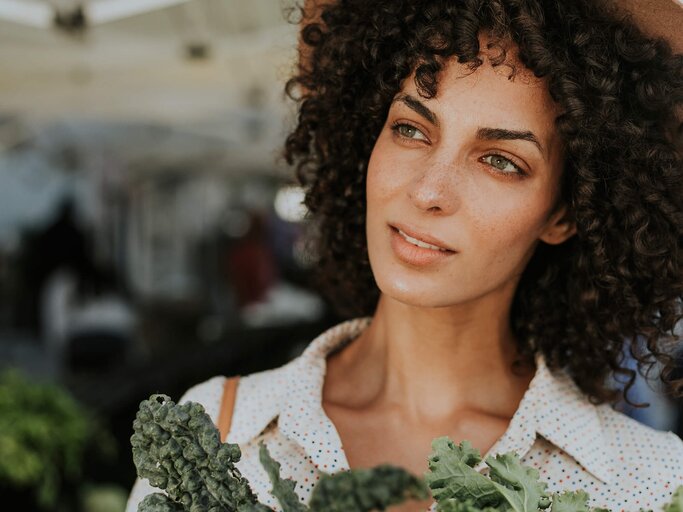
{"x":503,"y":164}
{"x":407,"y":131}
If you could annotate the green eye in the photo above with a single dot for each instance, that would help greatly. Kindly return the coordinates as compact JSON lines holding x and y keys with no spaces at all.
{"x":407,"y":131}
{"x":505,"y":165}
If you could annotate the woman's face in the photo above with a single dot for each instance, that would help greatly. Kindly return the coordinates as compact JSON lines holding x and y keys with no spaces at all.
{"x":476,"y":169}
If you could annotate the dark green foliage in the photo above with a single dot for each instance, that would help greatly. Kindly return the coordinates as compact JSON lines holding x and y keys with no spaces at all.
{"x":158,"y":502}
{"x":363,"y":490}
{"x":44,"y":437}
{"x":283,"y":489}
{"x":359,"y":490}
{"x":178,"y":449}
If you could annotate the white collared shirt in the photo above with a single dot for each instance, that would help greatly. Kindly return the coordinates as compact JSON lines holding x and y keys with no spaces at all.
{"x":622,"y":464}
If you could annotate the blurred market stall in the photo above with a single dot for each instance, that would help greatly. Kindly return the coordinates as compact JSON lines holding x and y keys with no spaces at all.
{"x":150,"y":235}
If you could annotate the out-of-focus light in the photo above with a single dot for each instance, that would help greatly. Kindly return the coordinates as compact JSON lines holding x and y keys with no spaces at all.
{"x":289,"y":204}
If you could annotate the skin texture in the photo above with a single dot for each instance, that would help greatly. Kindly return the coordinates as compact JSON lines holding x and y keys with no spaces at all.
{"x":436,"y":180}
{"x":395,"y":382}
{"x":619,"y":279}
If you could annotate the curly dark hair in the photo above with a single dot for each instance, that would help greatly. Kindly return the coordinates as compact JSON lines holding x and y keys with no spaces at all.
{"x":617,"y":283}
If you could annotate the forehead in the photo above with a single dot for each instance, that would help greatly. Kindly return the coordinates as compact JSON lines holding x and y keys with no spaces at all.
{"x":507,"y":94}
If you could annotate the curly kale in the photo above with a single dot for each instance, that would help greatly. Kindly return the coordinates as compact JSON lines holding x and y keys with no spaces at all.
{"x":358,"y":490}
{"x":178,"y":449}
{"x":367,"y":489}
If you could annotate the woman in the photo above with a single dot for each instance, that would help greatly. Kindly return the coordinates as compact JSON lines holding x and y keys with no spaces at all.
{"x":496,"y":188}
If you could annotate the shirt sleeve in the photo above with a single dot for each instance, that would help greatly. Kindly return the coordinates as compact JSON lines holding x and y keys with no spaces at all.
{"x":209,"y":394}
{"x":141,"y":488}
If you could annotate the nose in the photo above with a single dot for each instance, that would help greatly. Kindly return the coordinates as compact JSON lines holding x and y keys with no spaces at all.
{"x":433,"y":190}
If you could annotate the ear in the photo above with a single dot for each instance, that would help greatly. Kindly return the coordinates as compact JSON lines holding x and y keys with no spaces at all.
{"x":560,"y":226}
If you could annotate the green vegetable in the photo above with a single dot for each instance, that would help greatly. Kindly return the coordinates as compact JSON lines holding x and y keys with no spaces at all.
{"x":44,"y":436}
{"x":178,"y":449}
{"x":283,"y":490}
{"x":367,"y":489}
{"x":511,"y":486}
{"x":571,"y":501}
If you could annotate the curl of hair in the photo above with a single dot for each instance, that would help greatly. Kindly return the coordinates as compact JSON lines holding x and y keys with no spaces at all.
{"x":618,"y":283}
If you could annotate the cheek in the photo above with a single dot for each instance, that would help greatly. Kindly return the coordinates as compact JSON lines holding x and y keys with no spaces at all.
{"x":497,"y":220}
{"x":383,"y":180}
{"x":505,"y":224}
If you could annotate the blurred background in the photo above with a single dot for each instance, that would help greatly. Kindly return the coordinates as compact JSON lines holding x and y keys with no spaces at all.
{"x":150,"y":235}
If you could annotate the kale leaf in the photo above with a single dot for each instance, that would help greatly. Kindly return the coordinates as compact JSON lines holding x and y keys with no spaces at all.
{"x":178,"y":449}
{"x":362,"y":490}
{"x":511,"y":486}
{"x":283,"y":490}
{"x":570,"y":501}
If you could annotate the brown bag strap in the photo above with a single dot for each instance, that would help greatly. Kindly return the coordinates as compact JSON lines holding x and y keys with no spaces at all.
{"x":227,"y":405}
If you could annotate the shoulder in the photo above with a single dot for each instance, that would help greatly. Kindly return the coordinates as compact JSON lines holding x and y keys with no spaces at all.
{"x":258,"y":395}
{"x":656,"y":455}
{"x":264,"y":380}
{"x":260,"y":387}
{"x":207,"y":393}
{"x":259,"y":399}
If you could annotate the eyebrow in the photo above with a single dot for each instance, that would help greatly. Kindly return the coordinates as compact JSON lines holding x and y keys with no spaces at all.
{"x":418,"y":107}
{"x":483,"y":133}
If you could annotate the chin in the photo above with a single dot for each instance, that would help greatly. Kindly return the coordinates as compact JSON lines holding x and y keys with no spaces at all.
{"x":417,"y":294}
{"x":409,"y":286}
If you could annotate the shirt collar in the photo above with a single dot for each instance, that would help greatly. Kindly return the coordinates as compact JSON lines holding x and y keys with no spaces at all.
{"x":553,"y":406}
{"x":303,"y":418}
{"x":293,"y":394}
{"x":566,"y":417}
{"x":258,"y":402}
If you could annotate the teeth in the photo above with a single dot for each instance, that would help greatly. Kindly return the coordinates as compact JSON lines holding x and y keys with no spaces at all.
{"x":420,"y":243}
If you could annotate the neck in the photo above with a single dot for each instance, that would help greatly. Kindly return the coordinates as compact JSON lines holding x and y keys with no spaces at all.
{"x":427,"y":364}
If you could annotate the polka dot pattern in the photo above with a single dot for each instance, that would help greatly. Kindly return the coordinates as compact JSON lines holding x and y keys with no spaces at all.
{"x":622,"y":464}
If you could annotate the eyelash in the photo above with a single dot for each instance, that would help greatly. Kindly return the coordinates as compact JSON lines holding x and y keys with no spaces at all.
{"x":520,"y":172}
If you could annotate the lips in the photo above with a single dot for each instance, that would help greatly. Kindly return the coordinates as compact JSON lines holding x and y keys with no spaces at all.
{"x":420,"y":236}
{"x":418,"y":250}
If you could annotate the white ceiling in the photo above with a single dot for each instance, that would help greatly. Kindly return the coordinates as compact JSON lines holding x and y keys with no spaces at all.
{"x":223,"y":15}
{"x":136,"y":68}
{"x":40,"y":13}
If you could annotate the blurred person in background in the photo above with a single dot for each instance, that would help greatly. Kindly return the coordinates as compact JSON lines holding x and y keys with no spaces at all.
{"x":84,"y":318}
{"x":62,"y":244}
{"x":250,"y":263}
